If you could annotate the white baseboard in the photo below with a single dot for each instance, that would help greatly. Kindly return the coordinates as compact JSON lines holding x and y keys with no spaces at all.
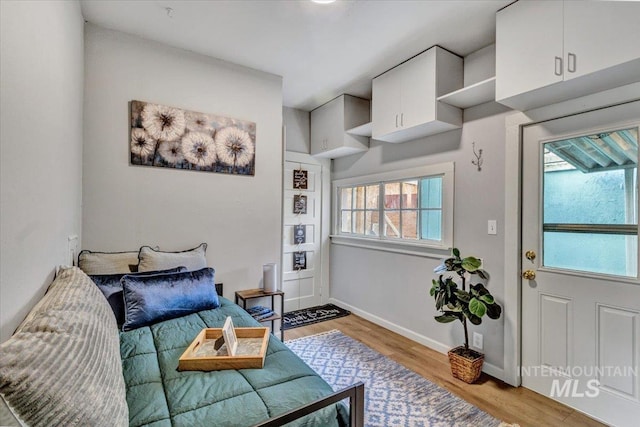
{"x":487,"y":368}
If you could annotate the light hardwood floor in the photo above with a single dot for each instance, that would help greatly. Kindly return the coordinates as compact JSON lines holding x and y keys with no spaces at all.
{"x":509,"y":404}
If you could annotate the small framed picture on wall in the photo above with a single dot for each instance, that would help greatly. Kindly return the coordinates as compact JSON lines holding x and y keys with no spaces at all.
{"x":300,"y":179}
{"x":299,"y":234}
{"x":300,"y":260}
{"x":299,"y":204}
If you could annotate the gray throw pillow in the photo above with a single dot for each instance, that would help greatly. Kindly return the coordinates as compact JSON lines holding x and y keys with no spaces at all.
{"x":62,"y":367}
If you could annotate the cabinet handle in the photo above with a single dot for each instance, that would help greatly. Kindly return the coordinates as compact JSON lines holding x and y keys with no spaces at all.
{"x":401,"y":119}
{"x":558,"y":70}
{"x":396,"y":120}
{"x":571,"y":62}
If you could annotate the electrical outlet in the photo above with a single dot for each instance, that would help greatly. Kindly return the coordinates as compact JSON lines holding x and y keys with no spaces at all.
{"x":477,"y":340}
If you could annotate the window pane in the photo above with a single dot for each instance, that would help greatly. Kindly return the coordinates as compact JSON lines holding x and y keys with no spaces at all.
{"x":598,"y":253}
{"x":392,"y":223}
{"x":345,"y":222}
{"x":431,"y":193}
{"x":373,"y":193}
{"x":589,"y":183}
{"x":358,"y":222}
{"x":409,"y":194}
{"x":431,"y":225}
{"x":574,"y":197}
{"x":410,"y":224}
{"x":358,"y":194}
{"x":345,"y":198}
{"x":392,"y":195}
{"x":372,"y":223}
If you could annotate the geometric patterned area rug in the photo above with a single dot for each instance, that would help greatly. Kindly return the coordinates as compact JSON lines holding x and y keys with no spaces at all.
{"x":394,"y":395}
{"x":307,"y":316}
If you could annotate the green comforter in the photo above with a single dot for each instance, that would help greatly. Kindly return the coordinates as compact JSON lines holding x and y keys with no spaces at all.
{"x":159,"y":395}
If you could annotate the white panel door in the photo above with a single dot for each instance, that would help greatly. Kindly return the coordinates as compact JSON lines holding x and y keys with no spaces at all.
{"x":580,"y":287}
{"x":302,"y":287}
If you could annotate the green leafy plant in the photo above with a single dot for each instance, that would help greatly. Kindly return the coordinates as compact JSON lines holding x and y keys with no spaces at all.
{"x":456,"y":303}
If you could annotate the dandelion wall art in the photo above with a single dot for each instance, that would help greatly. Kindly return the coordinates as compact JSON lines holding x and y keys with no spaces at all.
{"x":169,"y":137}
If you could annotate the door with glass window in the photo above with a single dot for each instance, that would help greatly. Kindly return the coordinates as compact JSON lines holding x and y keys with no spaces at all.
{"x":580,"y":287}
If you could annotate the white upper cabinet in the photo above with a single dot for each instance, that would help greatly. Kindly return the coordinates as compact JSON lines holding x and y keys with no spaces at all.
{"x":599,"y":35}
{"x":329,"y":124}
{"x":404,"y":105}
{"x":551,"y":51}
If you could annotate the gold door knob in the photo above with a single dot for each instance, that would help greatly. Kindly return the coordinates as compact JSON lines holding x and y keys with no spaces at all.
{"x":531,"y":255}
{"x":529,"y":274}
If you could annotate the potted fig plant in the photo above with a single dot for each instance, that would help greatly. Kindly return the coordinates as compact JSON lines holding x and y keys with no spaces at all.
{"x":458,"y":303}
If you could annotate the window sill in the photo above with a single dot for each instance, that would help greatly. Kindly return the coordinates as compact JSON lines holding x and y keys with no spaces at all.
{"x":407,"y":248}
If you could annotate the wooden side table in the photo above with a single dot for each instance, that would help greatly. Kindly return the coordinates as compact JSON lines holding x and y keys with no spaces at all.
{"x":260,"y":293}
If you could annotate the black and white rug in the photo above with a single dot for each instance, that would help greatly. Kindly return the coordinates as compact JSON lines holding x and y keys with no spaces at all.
{"x":307,"y":316}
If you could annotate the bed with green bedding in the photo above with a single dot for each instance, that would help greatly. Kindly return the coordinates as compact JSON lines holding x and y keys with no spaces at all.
{"x":68,"y":364}
{"x":159,"y":395}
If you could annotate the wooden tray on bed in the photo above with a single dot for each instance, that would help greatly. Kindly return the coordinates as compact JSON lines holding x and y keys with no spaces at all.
{"x":200,"y":355}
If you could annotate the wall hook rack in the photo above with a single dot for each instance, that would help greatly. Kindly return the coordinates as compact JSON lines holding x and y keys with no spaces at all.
{"x":478,"y":161}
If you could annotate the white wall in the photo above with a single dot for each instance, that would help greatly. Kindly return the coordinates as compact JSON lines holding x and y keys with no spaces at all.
{"x":393,"y":289}
{"x":127,"y":206}
{"x":297,"y":130}
{"x":41,"y":76}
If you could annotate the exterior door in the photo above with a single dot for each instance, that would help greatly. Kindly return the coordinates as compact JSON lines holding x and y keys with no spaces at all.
{"x":580,"y":287}
{"x":301,"y":271}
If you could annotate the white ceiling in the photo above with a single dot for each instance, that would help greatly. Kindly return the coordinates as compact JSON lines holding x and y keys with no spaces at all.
{"x":321,"y":51}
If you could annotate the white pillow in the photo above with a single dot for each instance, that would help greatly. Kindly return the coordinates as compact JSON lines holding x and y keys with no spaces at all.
{"x":107,"y":262}
{"x":152,"y":259}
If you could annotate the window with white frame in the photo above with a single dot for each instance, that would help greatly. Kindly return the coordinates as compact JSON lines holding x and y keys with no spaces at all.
{"x":412,"y":206}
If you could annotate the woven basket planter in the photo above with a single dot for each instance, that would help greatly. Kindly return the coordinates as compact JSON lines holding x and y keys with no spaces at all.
{"x":467,"y":370}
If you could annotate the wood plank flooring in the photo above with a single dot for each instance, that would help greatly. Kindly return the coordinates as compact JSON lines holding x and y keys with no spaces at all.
{"x":510,"y":404}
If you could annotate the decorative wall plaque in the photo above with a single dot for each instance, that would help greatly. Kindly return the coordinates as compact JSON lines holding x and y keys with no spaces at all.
{"x":300,"y":179}
{"x":299,"y":260}
{"x":299,"y":204}
{"x":299,"y":234}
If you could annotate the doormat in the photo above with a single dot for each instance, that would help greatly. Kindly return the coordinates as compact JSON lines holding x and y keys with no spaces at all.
{"x":308,"y":316}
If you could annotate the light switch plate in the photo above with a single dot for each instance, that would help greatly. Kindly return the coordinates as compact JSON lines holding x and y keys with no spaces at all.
{"x":492,"y":227}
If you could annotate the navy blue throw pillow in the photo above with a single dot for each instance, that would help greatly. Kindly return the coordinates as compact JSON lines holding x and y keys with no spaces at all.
{"x":111,"y":287}
{"x":152,"y":299}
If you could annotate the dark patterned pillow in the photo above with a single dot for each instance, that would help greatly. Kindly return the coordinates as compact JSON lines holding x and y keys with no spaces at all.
{"x":152,"y":299}
{"x":111,"y":287}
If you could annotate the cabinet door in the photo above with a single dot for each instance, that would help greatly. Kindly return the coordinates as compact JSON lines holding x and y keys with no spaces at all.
{"x":320,"y":124}
{"x":385,"y":107}
{"x":528,"y":47}
{"x":418,"y":90}
{"x":335,"y":123}
{"x":600,"y":35}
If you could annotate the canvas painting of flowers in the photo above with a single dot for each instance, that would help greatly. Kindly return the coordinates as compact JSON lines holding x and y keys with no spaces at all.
{"x":170,"y":137}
